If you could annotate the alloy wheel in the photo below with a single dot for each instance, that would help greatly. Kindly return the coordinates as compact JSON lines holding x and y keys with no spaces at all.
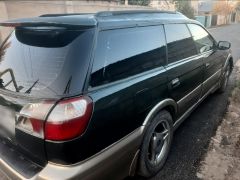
{"x":159,"y":142}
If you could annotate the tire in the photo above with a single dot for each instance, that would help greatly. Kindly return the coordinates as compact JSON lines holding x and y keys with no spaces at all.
{"x":150,"y":162}
{"x":224,"y":80}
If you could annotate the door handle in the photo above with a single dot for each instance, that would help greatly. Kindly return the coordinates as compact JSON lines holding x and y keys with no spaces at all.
{"x":175,"y":82}
{"x":207,"y":65}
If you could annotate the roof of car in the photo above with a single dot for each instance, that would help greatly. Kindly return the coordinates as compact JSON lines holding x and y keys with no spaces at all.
{"x":105,"y":19}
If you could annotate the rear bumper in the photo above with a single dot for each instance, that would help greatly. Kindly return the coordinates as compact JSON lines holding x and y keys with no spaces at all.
{"x":113,"y":162}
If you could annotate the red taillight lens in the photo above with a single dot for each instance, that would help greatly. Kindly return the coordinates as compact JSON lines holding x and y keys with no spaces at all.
{"x":68,"y":119}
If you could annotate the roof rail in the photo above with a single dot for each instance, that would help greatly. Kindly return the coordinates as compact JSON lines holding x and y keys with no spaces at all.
{"x":70,"y":14}
{"x":114,"y":13}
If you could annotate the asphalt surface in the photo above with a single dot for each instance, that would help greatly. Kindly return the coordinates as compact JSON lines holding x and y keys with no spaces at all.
{"x":229,"y":33}
{"x":191,"y":139}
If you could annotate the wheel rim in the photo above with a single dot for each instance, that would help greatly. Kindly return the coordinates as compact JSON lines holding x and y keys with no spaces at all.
{"x":159,"y":142}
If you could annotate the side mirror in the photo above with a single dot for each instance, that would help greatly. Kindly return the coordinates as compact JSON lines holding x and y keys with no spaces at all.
{"x":223,"y":45}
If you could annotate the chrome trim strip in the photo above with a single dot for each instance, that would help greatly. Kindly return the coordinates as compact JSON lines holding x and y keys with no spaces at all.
{"x":183,"y":61}
{"x":198,"y":88}
{"x":188,"y":112}
{"x":194,"y":92}
{"x":133,"y":79}
{"x":212,"y":76}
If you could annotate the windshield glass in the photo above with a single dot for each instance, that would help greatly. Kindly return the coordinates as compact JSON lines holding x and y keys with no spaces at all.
{"x":45,"y":62}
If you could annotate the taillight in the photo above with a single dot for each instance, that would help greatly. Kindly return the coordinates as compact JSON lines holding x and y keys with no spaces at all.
{"x":32,"y":116}
{"x":67,"y":120}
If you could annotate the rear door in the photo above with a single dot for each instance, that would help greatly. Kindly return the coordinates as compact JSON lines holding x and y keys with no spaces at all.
{"x":212,"y":58}
{"x":185,"y":67}
{"x":128,"y":78}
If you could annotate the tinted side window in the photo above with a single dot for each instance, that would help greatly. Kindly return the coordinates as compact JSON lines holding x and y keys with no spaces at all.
{"x":203,"y":40}
{"x":125,"y":52}
{"x":179,"y":42}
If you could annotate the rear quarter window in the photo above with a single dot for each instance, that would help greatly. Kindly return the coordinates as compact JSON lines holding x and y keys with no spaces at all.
{"x":122,"y":53}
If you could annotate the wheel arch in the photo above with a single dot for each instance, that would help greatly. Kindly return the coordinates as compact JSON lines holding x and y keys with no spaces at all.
{"x":167,"y":104}
{"x":229,"y":61}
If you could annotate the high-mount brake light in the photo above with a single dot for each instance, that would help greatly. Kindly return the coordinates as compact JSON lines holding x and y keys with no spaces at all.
{"x":67,"y":119}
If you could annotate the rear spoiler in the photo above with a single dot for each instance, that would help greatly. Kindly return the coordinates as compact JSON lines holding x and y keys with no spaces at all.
{"x":64,"y":21}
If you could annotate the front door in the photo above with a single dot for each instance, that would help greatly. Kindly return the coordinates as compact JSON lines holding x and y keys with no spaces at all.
{"x":185,"y":67}
{"x":212,"y":58}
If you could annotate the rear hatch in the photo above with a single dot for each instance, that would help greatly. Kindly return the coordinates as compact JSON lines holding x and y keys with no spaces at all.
{"x":38,"y":64}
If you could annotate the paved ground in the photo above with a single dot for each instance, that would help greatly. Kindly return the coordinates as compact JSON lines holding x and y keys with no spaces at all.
{"x":222,"y":161}
{"x":2,"y":176}
{"x":193,"y":136}
{"x":229,"y":33}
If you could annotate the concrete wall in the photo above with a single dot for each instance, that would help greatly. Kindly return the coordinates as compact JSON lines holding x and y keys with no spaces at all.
{"x":204,"y":20}
{"x":163,"y":5}
{"x":20,"y":9}
{"x":238,"y":17}
{"x":221,"y":20}
{"x":200,"y":19}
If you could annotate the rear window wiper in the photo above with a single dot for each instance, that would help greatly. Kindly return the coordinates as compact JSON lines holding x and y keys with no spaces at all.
{"x":67,"y":88}
{"x":30,"y":89}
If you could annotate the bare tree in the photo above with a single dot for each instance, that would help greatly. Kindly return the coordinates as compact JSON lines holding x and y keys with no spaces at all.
{"x":237,"y":6}
{"x":184,"y":6}
{"x":224,"y":8}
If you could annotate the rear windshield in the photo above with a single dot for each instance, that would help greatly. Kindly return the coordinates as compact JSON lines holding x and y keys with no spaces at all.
{"x":45,"y":62}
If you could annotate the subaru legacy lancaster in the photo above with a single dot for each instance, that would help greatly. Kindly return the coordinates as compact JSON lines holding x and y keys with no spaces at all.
{"x":98,"y":96}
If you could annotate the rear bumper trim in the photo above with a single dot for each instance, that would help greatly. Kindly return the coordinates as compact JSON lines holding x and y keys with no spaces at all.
{"x":14,"y":164}
{"x":113,"y":162}
{"x":9,"y":171}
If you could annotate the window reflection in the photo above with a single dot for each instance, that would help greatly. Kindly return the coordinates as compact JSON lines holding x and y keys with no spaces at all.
{"x":126,"y":52}
{"x":8,"y":71}
{"x":3,"y":49}
{"x":179,"y":42}
{"x":41,"y":64}
{"x":202,"y":39}
{"x":12,"y":80}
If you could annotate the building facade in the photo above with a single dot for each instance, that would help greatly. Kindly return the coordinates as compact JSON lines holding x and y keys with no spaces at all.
{"x":22,"y":9}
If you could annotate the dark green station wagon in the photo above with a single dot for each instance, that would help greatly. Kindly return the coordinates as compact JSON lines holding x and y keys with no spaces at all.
{"x":98,"y":96}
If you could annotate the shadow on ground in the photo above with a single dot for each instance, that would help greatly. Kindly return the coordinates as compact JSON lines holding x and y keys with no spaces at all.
{"x":192,"y":138}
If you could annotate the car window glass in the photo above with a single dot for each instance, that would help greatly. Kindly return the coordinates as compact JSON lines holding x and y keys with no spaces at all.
{"x":45,"y":63}
{"x":202,"y":39}
{"x":125,"y":52}
{"x":179,"y":42}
